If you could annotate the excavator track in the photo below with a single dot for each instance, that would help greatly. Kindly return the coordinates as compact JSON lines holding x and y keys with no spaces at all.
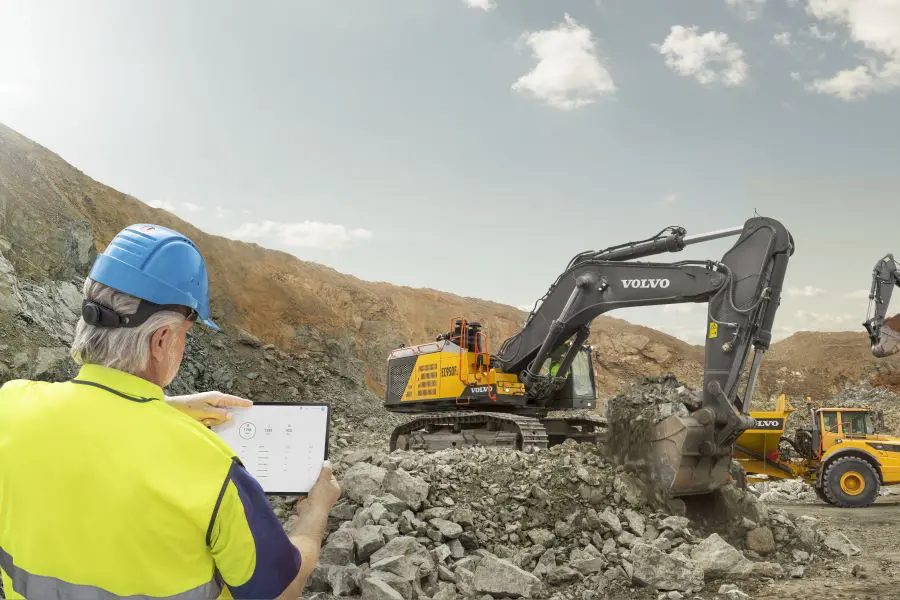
{"x":583,"y":428}
{"x":470,"y":429}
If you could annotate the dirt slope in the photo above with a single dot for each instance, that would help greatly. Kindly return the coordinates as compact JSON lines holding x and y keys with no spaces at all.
{"x":309,"y":307}
{"x":820,"y":364}
{"x":54,"y":218}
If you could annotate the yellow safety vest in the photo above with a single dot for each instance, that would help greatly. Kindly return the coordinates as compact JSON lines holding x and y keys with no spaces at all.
{"x":106,"y":491}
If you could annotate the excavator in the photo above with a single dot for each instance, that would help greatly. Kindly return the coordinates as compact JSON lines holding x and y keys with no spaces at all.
{"x":462,"y":394}
{"x":884,"y":334}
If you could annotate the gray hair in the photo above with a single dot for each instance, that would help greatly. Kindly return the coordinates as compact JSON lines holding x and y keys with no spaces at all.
{"x":125,"y":348}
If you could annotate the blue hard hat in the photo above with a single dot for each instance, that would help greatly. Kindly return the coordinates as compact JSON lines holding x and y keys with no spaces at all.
{"x":158,"y":265}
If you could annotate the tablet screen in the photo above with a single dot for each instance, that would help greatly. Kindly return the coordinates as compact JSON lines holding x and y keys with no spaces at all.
{"x":282,"y":445}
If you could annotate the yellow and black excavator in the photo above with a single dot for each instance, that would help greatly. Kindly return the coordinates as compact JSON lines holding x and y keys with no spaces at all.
{"x":465,"y":395}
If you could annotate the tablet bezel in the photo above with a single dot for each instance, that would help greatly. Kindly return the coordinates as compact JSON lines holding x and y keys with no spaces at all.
{"x":327,"y":437}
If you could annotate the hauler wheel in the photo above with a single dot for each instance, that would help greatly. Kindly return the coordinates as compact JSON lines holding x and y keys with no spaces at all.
{"x":821,"y":494}
{"x":851,"y":482}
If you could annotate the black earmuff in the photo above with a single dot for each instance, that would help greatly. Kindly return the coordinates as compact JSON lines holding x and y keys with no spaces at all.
{"x":102,"y":316}
{"x":99,"y":315}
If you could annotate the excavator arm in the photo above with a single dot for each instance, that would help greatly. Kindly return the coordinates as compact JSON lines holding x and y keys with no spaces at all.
{"x":743,"y":292}
{"x":884,"y":339}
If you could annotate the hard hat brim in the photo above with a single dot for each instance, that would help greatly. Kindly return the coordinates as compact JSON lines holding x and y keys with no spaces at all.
{"x":210,"y":324}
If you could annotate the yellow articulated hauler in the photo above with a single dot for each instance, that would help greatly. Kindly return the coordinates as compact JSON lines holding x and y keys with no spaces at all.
{"x":841,"y":454}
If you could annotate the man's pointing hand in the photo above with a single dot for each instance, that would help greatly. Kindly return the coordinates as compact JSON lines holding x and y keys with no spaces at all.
{"x":208,"y":407}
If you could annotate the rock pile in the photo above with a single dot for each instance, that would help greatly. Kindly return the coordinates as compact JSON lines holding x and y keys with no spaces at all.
{"x":793,"y":491}
{"x":563,"y":523}
{"x":858,"y":395}
{"x":631,"y":416}
{"x":785,"y":491}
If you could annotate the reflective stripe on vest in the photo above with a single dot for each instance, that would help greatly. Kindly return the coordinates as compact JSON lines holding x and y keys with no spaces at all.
{"x":41,"y":586}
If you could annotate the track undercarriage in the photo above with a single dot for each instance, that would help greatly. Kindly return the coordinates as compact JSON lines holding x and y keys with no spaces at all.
{"x":439,"y":431}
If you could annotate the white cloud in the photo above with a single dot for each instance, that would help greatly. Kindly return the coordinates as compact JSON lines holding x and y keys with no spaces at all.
{"x":795,"y":76}
{"x":857,"y":294}
{"x":692,"y":55}
{"x":783,"y":38}
{"x":668,"y":199}
{"x":876,"y":25}
{"x":308,"y":234}
{"x":485,"y":5}
{"x":815,"y":32}
{"x":749,"y":9}
{"x":222,"y":213}
{"x":859,"y":82}
{"x":807,"y":291}
{"x":811,"y":320}
{"x":163,"y":205}
{"x":568,"y":74}
{"x":192,"y":207}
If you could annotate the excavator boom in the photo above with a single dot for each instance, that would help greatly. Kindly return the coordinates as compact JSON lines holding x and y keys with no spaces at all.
{"x":884,"y":334}
{"x":742,"y":291}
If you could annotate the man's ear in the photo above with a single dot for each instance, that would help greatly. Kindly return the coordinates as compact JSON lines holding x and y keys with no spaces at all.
{"x":159,"y":342}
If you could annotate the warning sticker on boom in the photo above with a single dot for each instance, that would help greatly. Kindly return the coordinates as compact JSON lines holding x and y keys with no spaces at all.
{"x":713,"y":330}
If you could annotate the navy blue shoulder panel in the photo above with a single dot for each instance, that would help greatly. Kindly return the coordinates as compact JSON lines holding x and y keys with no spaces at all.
{"x":277,"y":559}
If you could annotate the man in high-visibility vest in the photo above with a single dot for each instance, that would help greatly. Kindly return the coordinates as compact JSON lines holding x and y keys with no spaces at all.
{"x":557,"y":356}
{"x":108,"y":488}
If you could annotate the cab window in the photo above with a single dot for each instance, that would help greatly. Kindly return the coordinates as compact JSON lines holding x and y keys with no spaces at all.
{"x":581,"y":372}
{"x":857,"y":423}
{"x":830,"y":422}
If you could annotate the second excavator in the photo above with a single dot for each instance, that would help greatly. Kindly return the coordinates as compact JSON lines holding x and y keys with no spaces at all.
{"x":466,"y":395}
{"x":884,"y":334}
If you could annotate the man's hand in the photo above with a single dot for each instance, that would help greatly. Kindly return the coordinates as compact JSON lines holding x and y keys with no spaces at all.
{"x":208,"y":407}
{"x":309,"y":529}
{"x":326,"y":491}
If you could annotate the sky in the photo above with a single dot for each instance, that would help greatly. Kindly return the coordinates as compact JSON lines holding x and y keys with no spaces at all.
{"x":475,"y":146}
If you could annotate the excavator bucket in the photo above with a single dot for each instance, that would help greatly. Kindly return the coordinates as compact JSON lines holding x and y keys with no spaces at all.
{"x":679,"y":466}
{"x":676,"y":462}
{"x":668,"y":455}
{"x":889,"y":340}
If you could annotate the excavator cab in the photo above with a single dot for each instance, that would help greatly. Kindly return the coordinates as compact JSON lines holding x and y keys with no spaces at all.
{"x":580,"y":389}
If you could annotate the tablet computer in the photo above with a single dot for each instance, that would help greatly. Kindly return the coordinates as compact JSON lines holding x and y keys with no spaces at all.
{"x":283,"y":445}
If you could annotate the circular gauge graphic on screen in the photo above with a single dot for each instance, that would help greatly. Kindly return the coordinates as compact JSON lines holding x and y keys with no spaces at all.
{"x":247,"y":430}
